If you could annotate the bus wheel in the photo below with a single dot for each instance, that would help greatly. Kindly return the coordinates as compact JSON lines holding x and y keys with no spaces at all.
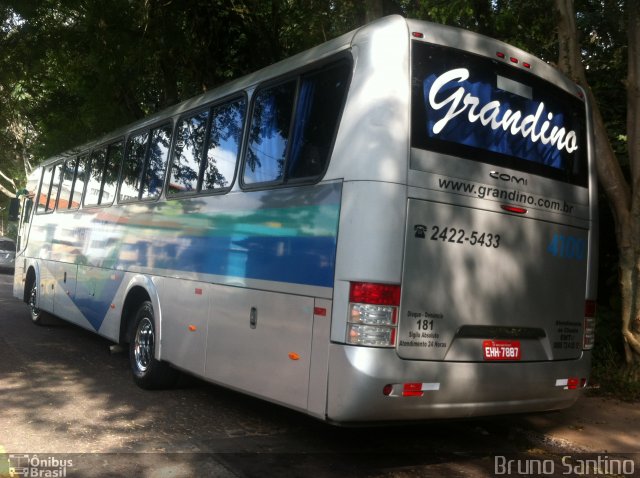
{"x":148,"y":373}
{"x":37,"y":315}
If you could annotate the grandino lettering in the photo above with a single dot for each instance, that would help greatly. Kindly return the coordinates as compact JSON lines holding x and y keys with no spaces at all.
{"x":461,"y":102}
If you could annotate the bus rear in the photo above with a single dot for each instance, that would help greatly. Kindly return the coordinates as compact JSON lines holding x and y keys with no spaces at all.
{"x":494,"y":310}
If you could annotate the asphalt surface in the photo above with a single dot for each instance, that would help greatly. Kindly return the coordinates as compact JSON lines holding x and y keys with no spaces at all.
{"x":68,"y":405}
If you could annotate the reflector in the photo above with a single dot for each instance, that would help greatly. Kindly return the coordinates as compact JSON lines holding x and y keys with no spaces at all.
{"x":412,"y":390}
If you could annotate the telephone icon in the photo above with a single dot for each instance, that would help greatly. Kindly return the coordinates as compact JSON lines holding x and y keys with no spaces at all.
{"x":420,"y":231}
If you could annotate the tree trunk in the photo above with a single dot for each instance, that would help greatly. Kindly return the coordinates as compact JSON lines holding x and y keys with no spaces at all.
{"x":631,"y":321}
{"x":624,"y":198}
{"x":6,"y":191}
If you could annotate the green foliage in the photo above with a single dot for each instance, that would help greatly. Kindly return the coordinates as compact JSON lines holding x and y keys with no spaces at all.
{"x":523,"y":24}
{"x":78,"y":68}
{"x":602,"y":24}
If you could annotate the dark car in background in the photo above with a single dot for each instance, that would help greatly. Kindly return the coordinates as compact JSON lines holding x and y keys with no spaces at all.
{"x":7,"y":254}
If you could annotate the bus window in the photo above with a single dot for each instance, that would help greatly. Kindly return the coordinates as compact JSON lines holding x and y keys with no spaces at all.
{"x":96,"y":170}
{"x":112,"y":166}
{"x":55,"y":187}
{"x":224,"y":145}
{"x":187,"y":154}
{"x":132,"y":166}
{"x":81,"y":177}
{"x":157,"y":163}
{"x":45,"y":191}
{"x":278,"y":154}
{"x":269,"y":134}
{"x":465,"y":105}
{"x":320,"y":101}
{"x":65,"y":201}
{"x":191,"y":169}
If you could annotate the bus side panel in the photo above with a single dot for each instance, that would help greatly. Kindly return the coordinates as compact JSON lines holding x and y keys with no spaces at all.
{"x":260,"y":342}
{"x":317,"y":404}
{"x":19,"y":277}
{"x":65,"y":290}
{"x":185,"y":311}
{"x":371,"y":241}
{"x":95,"y":293}
{"x":46,"y":285}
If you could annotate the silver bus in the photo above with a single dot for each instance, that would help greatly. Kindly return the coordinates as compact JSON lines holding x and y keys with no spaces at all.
{"x":398,"y":224}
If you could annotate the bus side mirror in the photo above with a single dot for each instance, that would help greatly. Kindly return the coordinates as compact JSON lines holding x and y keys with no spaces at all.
{"x":14,"y":209}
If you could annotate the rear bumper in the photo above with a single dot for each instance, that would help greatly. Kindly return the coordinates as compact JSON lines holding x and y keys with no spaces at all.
{"x":357,"y":376}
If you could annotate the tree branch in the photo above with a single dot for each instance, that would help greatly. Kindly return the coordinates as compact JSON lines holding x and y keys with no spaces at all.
{"x":7,"y":178}
{"x":7,"y":192}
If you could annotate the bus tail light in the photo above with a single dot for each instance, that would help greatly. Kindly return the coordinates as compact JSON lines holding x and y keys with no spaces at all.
{"x":373,"y":314}
{"x":512,"y":59}
{"x":589,"y":331}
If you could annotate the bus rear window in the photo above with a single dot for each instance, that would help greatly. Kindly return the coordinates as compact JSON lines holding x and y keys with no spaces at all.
{"x":473,"y":107}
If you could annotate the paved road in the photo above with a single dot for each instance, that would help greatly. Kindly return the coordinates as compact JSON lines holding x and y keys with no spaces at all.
{"x":64,"y":396}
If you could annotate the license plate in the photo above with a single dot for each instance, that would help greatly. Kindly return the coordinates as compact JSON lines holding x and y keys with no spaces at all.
{"x":495,"y":350}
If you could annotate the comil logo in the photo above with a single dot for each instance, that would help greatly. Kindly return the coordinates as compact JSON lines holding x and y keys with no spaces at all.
{"x":508,"y":178}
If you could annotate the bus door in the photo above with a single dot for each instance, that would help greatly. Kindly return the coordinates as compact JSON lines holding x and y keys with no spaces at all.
{"x":66,"y":248}
{"x":65,"y":276}
{"x":24,"y":208}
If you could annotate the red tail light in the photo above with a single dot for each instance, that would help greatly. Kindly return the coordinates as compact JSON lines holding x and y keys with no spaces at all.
{"x":589,"y":330}
{"x":376,"y":294}
{"x":373,"y":314}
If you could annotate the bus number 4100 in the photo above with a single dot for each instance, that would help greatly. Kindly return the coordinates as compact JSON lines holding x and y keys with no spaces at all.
{"x":567,"y":247}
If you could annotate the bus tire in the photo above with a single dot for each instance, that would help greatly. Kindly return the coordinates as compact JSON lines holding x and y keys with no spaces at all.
{"x":38,"y":316}
{"x":148,"y":373}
